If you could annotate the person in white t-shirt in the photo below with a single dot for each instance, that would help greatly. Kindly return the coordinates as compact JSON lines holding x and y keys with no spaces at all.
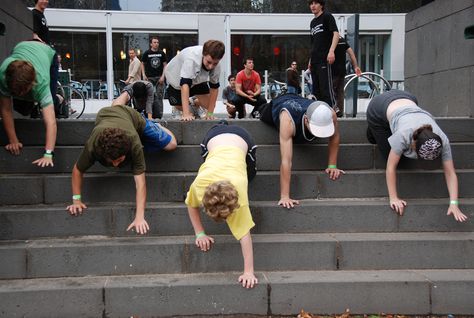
{"x":195,"y":72}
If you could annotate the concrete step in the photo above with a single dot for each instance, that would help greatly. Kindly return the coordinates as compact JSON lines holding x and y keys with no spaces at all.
{"x":170,"y":219}
{"x":410,"y":292}
{"x":188,"y":159}
{"x":163,"y":187}
{"x":75,"y":132}
{"x":74,"y":257}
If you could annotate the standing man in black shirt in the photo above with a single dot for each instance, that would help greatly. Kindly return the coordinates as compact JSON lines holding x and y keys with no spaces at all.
{"x":40,"y":25}
{"x":339,"y":72}
{"x":153,"y":66}
{"x":324,"y":38}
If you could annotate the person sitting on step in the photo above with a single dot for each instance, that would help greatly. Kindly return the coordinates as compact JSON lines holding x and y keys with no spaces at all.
{"x":400,"y":127}
{"x":120,"y":136}
{"x":221,"y":186}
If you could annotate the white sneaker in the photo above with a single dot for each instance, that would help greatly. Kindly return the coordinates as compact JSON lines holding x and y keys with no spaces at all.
{"x":176,"y":113}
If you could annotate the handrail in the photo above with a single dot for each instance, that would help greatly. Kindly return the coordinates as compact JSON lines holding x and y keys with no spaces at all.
{"x":365,"y":75}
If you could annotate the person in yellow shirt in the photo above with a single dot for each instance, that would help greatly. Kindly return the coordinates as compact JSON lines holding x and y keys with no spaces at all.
{"x":221,"y":187}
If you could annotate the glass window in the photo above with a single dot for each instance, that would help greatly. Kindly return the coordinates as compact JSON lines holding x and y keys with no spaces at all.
{"x":84,"y":53}
{"x":241,"y":6}
{"x":270,"y":52}
{"x":169,"y":43}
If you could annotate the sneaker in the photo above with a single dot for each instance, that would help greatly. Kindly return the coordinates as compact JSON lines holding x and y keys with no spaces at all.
{"x":197,"y":111}
{"x":176,"y":113}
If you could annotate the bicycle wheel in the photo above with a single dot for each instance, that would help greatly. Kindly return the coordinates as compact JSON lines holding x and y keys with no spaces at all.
{"x":77,"y":103}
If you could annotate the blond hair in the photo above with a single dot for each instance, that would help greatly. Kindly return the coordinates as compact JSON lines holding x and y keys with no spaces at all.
{"x":220,"y":200}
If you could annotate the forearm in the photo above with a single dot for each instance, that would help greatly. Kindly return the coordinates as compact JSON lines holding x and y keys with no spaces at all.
{"x":185,"y":98}
{"x":247,"y":253}
{"x":335,"y":40}
{"x":195,"y":218}
{"x":212,"y":99}
{"x":451,"y":179}
{"x":76,"y":181}
{"x":7,"y":118}
{"x":333,"y":150}
{"x":140,"y":186}
{"x":391,"y":178}
{"x":51,"y":127}
{"x":285,"y":180}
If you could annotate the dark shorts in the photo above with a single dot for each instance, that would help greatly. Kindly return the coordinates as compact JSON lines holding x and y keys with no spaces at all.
{"x":154,"y":137}
{"x":174,"y":95}
{"x":224,"y":128}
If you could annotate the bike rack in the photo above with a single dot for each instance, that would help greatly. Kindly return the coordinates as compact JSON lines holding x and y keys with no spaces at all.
{"x":366,"y":75}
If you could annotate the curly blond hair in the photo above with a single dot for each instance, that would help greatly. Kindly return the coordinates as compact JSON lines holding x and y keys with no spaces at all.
{"x":220,"y":200}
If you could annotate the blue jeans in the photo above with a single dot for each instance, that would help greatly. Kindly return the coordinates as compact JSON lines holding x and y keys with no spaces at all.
{"x":154,"y":137}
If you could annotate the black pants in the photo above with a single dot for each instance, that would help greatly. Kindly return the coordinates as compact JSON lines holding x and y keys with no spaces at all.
{"x":240,"y":101}
{"x":157,"y":108}
{"x":322,"y":83}
{"x":224,"y":128}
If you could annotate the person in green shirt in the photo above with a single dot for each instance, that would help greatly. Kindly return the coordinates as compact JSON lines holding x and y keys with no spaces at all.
{"x":120,"y":136}
{"x":27,"y":76}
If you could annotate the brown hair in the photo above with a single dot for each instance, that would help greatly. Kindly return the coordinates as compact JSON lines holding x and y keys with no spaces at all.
{"x":428,"y":145}
{"x":220,"y":200}
{"x":214,"y":48}
{"x":321,"y":2}
{"x":113,"y":143}
{"x":20,"y":77}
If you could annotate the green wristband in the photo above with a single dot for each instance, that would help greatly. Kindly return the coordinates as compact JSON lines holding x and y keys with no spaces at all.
{"x":455,"y":202}
{"x":48,"y":155}
{"x":76,"y":197}
{"x":210,"y":113}
{"x":332,"y":167}
{"x":200,"y":234}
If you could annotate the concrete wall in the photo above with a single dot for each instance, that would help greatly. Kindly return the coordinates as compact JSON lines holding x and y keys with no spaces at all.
{"x":439,"y":62}
{"x":18,"y":23}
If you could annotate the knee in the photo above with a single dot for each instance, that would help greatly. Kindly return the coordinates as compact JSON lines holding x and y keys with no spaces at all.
{"x":172,"y":145}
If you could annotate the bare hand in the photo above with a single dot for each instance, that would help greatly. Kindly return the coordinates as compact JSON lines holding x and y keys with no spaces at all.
{"x":187,"y":117}
{"x":210,"y":117}
{"x":140,"y":225}
{"x":331,"y":57}
{"x":76,"y":207}
{"x":204,"y":243}
{"x":334,"y":173}
{"x":161,"y":80}
{"x":358,"y":71}
{"x":14,"y":148}
{"x":454,"y":210}
{"x":44,"y":162}
{"x":398,"y":205}
{"x":248,"y":280}
{"x":288,"y":203}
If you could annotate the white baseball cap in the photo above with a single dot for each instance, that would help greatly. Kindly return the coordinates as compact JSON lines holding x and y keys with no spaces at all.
{"x":320,"y":119}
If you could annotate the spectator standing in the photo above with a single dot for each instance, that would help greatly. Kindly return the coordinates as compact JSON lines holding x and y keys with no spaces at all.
{"x":154,"y":63}
{"x":324,"y":38}
{"x":293,"y":79}
{"x":339,"y":72}
{"x":248,"y":88}
{"x":195,"y":72}
{"x":229,"y":95}
{"x":134,"y":68}
{"x":40,"y":25}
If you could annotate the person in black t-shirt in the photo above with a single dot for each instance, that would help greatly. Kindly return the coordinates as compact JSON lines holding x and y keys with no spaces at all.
{"x":339,"y":72}
{"x":40,"y":25}
{"x":153,"y":67}
{"x":324,"y":38}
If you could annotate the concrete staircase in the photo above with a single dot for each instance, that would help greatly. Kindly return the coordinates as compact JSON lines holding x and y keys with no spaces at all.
{"x":341,"y":248}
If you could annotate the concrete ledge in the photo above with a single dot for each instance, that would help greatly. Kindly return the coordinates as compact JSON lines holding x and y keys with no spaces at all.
{"x":75,"y":132}
{"x":272,"y":252}
{"x":170,"y":219}
{"x":172,"y":187}
{"x":417,"y":292}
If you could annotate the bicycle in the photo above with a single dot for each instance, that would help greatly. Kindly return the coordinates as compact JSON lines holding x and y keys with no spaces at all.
{"x":73,"y":97}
